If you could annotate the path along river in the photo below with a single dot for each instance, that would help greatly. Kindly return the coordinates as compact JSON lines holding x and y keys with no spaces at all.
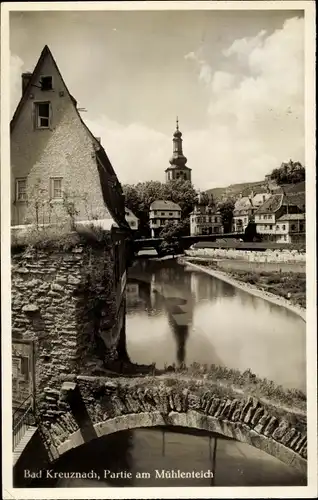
{"x":176,"y":314}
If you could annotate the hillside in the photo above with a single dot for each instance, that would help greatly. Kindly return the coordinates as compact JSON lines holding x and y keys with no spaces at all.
{"x":234,"y":190}
{"x":246,"y":188}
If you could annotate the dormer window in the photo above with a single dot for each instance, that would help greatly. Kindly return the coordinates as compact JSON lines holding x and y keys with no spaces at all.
{"x":46,"y":83}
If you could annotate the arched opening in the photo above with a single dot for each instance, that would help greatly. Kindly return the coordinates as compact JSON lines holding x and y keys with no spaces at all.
{"x":191,"y":420}
{"x":143,"y":450}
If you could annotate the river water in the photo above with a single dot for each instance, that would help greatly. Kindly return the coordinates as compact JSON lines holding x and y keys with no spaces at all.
{"x":175,"y":315}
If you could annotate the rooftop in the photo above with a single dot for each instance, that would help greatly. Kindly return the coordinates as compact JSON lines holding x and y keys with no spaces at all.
{"x":292,"y":217}
{"x":271,"y":205}
{"x":164,"y":205}
{"x":243,"y":203}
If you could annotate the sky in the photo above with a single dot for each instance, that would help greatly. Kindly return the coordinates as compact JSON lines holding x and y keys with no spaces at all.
{"x":235,"y":79}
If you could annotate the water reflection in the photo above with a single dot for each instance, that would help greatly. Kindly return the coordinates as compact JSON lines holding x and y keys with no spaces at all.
{"x":178,"y":315}
{"x":135,"y":456}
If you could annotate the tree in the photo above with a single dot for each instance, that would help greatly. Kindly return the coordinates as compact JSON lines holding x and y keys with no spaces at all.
{"x":181,"y":192}
{"x":207,"y":199}
{"x":139,"y":197}
{"x":226,"y":209}
{"x":174,"y":229}
{"x":70,"y":208}
{"x":171,"y":234}
{"x":251,"y":233}
{"x":289,"y":173}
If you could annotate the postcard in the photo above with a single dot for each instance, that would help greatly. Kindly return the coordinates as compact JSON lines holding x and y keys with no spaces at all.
{"x":158,"y":250}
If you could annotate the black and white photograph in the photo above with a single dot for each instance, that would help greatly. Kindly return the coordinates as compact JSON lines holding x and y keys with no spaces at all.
{"x":158,"y":249}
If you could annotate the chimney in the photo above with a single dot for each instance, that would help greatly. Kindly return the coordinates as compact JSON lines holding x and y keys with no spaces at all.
{"x":26,"y":77}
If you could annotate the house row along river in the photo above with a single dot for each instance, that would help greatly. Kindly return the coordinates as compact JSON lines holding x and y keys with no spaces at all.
{"x":179,"y":315}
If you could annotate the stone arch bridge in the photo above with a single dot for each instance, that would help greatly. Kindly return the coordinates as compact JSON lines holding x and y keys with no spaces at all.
{"x":84,"y":408}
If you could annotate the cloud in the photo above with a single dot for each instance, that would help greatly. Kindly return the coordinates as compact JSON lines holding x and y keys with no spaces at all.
{"x":254,"y":114}
{"x":205,"y":73}
{"x":138,"y":153}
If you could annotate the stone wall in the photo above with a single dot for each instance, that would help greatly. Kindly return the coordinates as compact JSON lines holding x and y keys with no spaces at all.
{"x":258,"y":267}
{"x":268,"y":256}
{"x":89,"y":407}
{"x":66,"y":302}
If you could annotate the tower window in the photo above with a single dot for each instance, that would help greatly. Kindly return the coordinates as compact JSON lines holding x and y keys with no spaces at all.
{"x":42,"y":114}
{"x":46,"y":83}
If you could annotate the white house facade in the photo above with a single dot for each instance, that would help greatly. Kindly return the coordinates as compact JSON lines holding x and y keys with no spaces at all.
{"x":161,"y":212}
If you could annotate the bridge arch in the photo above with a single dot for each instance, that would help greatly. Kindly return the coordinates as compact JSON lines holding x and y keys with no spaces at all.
{"x":95,"y":407}
{"x":191,"y":420}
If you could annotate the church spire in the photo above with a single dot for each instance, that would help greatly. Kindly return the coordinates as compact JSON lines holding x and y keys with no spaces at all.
{"x":178,"y":168}
{"x":178,"y":159}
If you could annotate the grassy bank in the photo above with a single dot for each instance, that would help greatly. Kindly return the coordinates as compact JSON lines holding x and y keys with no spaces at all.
{"x":290,"y":286}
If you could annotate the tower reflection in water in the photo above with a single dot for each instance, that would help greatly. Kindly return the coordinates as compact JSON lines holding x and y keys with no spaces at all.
{"x":162,"y":303}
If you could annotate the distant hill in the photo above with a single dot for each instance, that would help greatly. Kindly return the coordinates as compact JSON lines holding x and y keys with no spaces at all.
{"x":246,"y":188}
{"x":234,"y":190}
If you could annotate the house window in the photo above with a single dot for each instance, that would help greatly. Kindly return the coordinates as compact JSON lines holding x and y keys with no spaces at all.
{"x":20,"y":189}
{"x":293,"y":228}
{"x":162,"y":213}
{"x":270,"y":226}
{"x":170,"y":213}
{"x":56,"y":188}
{"x":284,"y":227}
{"x":46,"y":83}
{"x":42,"y":114}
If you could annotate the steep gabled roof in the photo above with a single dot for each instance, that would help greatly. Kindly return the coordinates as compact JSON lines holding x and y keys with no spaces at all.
{"x":243,"y":203}
{"x":103,"y":163}
{"x":271,"y":205}
{"x":45,"y":53}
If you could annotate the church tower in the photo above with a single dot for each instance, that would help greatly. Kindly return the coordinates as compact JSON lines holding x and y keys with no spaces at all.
{"x":178,"y":168}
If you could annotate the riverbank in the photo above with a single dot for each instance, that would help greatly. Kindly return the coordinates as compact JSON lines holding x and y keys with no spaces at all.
{"x":273,"y":287}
